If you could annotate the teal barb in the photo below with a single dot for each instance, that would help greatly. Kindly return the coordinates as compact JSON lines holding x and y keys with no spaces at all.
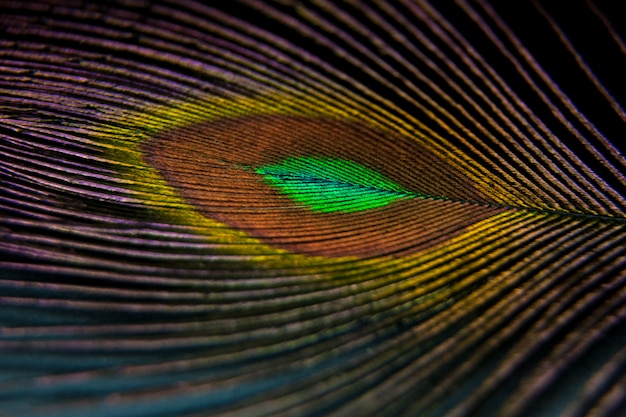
{"x":332,"y":185}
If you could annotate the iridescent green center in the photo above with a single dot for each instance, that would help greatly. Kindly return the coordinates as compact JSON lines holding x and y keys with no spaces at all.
{"x":332,"y":185}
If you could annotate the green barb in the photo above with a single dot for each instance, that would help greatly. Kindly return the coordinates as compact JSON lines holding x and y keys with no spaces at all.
{"x":332,"y":185}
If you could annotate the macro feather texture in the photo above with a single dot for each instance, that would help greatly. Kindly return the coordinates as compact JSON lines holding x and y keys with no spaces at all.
{"x":255,"y":208}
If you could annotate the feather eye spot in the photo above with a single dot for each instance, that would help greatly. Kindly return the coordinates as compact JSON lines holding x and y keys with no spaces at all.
{"x":317,"y":186}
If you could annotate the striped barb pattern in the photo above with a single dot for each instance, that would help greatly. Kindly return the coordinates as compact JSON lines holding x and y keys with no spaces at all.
{"x":258,"y":208}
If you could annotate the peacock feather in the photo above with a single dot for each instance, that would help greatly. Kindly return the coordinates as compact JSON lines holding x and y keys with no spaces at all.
{"x":285,"y":208}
